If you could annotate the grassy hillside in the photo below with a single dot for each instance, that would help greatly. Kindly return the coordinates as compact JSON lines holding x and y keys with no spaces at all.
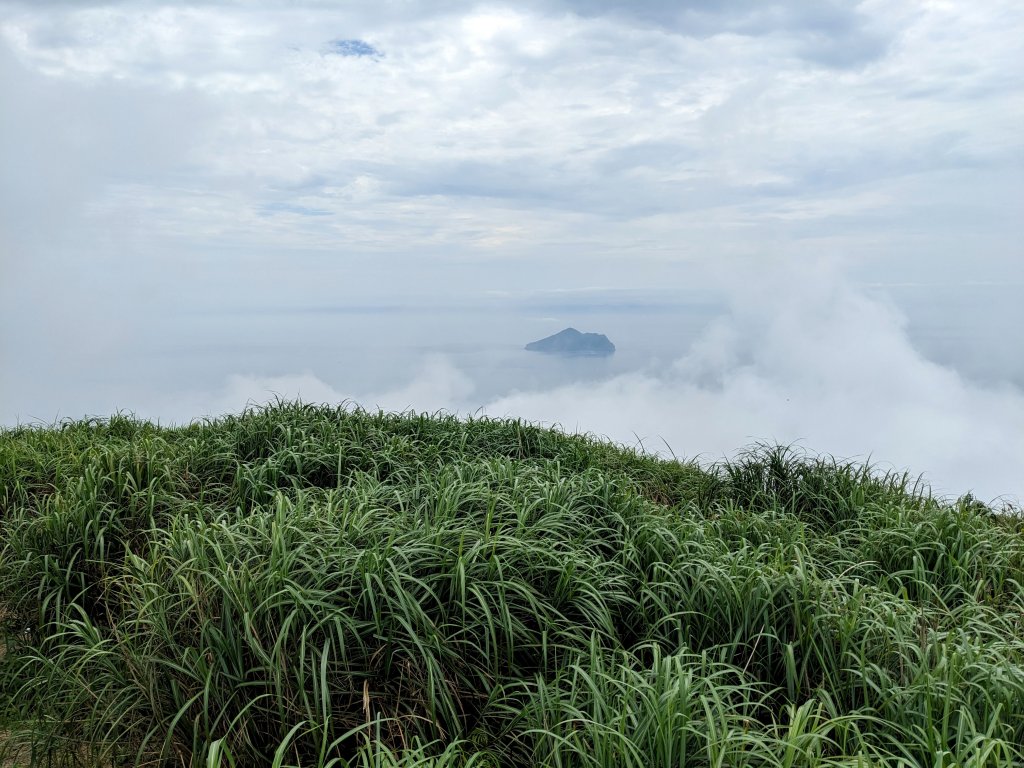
{"x":303,"y":586}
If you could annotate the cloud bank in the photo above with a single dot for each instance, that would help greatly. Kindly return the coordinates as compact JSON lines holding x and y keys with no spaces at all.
{"x":549,"y":131}
{"x":802,"y":358}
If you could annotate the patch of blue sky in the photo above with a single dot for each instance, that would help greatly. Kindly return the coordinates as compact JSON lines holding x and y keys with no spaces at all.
{"x":351,"y":47}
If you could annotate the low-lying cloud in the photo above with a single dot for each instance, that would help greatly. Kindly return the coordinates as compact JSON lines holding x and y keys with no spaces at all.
{"x":812,"y":361}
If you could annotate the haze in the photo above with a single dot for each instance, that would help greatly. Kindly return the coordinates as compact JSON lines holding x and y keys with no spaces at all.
{"x":798,"y":222}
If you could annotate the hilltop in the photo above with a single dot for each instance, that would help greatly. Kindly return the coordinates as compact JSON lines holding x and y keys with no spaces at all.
{"x":315,"y":586}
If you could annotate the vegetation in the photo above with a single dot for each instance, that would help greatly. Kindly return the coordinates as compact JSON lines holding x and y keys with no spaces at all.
{"x":306,"y":586}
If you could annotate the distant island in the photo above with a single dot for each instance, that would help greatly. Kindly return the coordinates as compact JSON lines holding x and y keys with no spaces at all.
{"x":572,"y":342}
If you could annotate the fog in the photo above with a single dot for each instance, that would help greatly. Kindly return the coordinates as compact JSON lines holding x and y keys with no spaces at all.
{"x":798,"y":356}
{"x":794,"y":356}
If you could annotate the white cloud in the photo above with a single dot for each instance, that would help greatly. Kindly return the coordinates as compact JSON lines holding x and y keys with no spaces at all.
{"x":436,"y":385}
{"x":801,"y":357}
{"x":565,"y":119}
{"x":813,"y":361}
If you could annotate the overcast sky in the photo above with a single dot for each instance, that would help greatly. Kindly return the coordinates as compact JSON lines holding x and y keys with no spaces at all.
{"x":161,"y":161}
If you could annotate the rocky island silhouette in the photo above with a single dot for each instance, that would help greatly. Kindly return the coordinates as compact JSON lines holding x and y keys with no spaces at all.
{"x":571,"y":342}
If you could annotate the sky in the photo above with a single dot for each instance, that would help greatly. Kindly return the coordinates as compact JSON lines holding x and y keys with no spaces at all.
{"x":195,"y":197}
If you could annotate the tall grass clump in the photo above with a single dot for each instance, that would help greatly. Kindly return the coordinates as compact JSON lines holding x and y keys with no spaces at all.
{"x":314,"y":586}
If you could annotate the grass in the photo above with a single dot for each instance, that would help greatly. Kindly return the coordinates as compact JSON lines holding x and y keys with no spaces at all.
{"x":308,"y":586}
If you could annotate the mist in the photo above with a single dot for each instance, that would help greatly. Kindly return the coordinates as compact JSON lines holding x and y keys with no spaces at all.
{"x":801,"y":357}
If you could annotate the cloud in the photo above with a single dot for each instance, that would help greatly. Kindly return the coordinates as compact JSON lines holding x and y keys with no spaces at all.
{"x":712,"y":128}
{"x":801,"y":357}
{"x":436,"y":385}
{"x":830,"y":32}
{"x":272,"y":208}
{"x":77,"y":287}
{"x":833,"y":33}
{"x":813,"y":361}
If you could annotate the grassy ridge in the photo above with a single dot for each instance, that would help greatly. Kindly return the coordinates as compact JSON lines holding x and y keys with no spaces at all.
{"x":305,"y":586}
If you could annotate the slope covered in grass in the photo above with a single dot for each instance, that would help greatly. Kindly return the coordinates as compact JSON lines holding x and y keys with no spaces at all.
{"x":305,"y":586}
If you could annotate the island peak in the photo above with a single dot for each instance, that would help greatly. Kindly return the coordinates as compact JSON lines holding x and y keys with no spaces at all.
{"x":573,"y":342}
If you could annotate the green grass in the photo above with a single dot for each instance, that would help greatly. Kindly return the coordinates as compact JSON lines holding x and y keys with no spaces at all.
{"x":307,"y":586}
